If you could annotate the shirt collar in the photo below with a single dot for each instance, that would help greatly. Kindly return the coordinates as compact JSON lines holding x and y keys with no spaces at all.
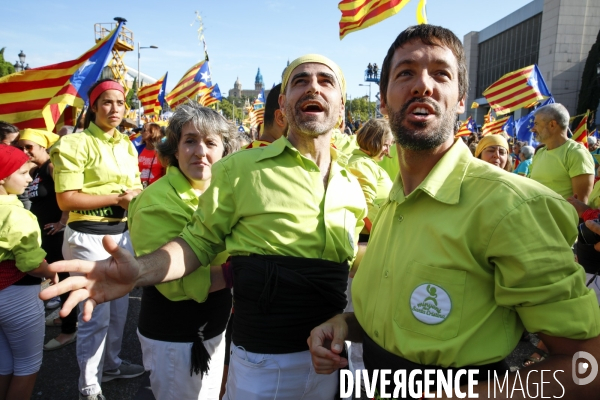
{"x":181,"y":185}
{"x":100,"y":134}
{"x":444,"y":180}
{"x":339,"y":159}
{"x":10,"y":199}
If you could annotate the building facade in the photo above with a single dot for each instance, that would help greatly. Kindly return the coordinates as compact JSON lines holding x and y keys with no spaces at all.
{"x":557,"y":35}
{"x":259,"y":84}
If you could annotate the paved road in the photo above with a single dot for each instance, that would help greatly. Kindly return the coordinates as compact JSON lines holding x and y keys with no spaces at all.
{"x":58,"y":376}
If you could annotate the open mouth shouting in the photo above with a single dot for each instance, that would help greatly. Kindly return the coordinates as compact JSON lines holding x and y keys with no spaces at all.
{"x":312,"y":107}
{"x":420,"y":112}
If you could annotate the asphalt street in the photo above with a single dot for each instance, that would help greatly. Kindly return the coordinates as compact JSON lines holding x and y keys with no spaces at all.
{"x":58,"y":376}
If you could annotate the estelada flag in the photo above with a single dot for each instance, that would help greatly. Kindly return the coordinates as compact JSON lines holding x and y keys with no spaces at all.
{"x":193,"y":83}
{"x":581,"y":132}
{"x":494,"y":127}
{"x":467,"y":128}
{"x":35,"y":98}
{"x":150,"y":96}
{"x":518,"y":89}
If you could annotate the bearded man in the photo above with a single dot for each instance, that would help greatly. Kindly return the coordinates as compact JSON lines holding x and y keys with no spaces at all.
{"x":450,"y":278}
{"x":289,"y":214}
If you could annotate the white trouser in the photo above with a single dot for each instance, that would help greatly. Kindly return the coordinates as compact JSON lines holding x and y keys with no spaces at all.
{"x":21,"y":330}
{"x":169,"y":365}
{"x":355,"y":350}
{"x":288,"y":376}
{"x":99,"y":340}
{"x":595,"y":285}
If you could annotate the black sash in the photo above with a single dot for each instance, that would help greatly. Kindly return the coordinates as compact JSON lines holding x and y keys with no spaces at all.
{"x":101,"y":228}
{"x":279,"y":300}
{"x":376,"y":357}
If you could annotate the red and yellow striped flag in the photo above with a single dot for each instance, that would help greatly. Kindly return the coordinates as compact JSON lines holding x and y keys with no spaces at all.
{"x":360,"y":14}
{"x":517,"y":89}
{"x":494,"y":127}
{"x":37,"y":97}
{"x":581,"y":132}
{"x":188,"y":87}
{"x":467,"y":128}
{"x":148,"y":96}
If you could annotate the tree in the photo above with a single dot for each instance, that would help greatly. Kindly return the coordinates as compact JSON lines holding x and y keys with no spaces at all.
{"x":131,"y":92}
{"x":6,"y":68}
{"x":589,"y":94}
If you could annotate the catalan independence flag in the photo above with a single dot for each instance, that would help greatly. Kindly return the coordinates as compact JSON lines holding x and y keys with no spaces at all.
{"x":193,"y":83}
{"x":494,"y":127}
{"x":467,"y":128}
{"x":581,"y":132}
{"x":259,"y":109}
{"x":37,"y":97}
{"x":211,"y":97}
{"x":518,"y":89}
{"x":360,"y":14}
{"x":149,"y":96}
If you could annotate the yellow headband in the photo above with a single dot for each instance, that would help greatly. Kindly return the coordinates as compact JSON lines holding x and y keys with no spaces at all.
{"x":43,"y":138}
{"x":490,"y":140}
{"x":315,"y":58}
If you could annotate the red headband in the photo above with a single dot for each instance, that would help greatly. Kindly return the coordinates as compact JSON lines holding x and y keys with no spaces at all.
{"x":11,"y":159}
{"x":103,"y":87}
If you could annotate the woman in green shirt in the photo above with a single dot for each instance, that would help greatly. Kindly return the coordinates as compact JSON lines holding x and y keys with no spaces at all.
{"x":95,"y":176}
{"x":181,"y":326}
{"x":374,"y":139}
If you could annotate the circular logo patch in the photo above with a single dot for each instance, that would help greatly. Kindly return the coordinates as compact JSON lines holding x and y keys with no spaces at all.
{"x":430,"y":304}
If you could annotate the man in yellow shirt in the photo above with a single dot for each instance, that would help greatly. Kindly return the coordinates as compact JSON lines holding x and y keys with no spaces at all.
{"x":563,"y":165}
{"x":450,"y":279}
{"x":290,"y":215}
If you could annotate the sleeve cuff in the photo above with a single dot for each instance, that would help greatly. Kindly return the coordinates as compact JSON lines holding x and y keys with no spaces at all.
{"x":577,"y":318}
{"x":30,"y":260}
{"x":68,"y":181}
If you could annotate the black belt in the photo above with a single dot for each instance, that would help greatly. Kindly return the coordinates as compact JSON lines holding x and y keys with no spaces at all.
{"x":279,"y":300}
{"x":376,"y":357}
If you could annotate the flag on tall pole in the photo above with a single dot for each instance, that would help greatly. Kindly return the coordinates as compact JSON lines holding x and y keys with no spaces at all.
{"x":517,"y":89}
{"x":360,"y":14}
{"x":193,"y":83}
{"x":467,"y":128}
{"x":35,"y":98}
{"x":211,"y":97}
{"x":149,"y":96}
{"x":581,"y":132}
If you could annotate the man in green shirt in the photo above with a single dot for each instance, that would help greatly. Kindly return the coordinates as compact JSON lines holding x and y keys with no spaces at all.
{"x":450,"y":278}
{"x":290,"y":215}
{"x":563,"y":165}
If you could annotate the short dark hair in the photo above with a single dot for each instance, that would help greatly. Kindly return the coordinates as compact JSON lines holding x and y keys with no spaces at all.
{"x":371,"y":135}
{"x":272,"y":105}
{"x":6,"y":129}
{"x":206,"y":120}
{"x":430,"y":35}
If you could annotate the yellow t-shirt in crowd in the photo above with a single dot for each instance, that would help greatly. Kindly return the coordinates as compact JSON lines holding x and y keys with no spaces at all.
{"x":555,"y":168}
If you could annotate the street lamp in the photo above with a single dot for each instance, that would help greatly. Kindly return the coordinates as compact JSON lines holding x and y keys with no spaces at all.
{"x":138,"y":79}
{"x":369,"y":105}
{"x":20,"y":65}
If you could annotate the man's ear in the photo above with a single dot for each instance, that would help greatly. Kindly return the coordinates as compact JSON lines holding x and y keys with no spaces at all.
{"x":281,"y":101}
{"x":280,"y":119}
{"x":382,"y":106}
{"x":461,"y":105}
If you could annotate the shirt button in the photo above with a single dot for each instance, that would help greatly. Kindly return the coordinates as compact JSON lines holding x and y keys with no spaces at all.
{"x":400,"y":218}
{"x":376,"y":334}
{"x":386,"y":274}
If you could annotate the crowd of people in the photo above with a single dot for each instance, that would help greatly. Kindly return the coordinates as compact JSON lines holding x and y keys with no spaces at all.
{"x":268,"y":266}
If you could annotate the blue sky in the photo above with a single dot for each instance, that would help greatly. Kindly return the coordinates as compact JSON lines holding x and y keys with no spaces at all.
{"x":241,"y":35}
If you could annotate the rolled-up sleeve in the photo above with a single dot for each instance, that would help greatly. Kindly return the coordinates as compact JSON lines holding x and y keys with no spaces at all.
{"x":68,"y":156}
{"x":214,"y":219}
{"x":536,"y":274}
{"x":21,"y":235}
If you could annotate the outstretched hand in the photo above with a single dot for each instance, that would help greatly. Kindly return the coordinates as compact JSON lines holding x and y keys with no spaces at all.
{"x":326,"y":342}
{"x":99,"y":282}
